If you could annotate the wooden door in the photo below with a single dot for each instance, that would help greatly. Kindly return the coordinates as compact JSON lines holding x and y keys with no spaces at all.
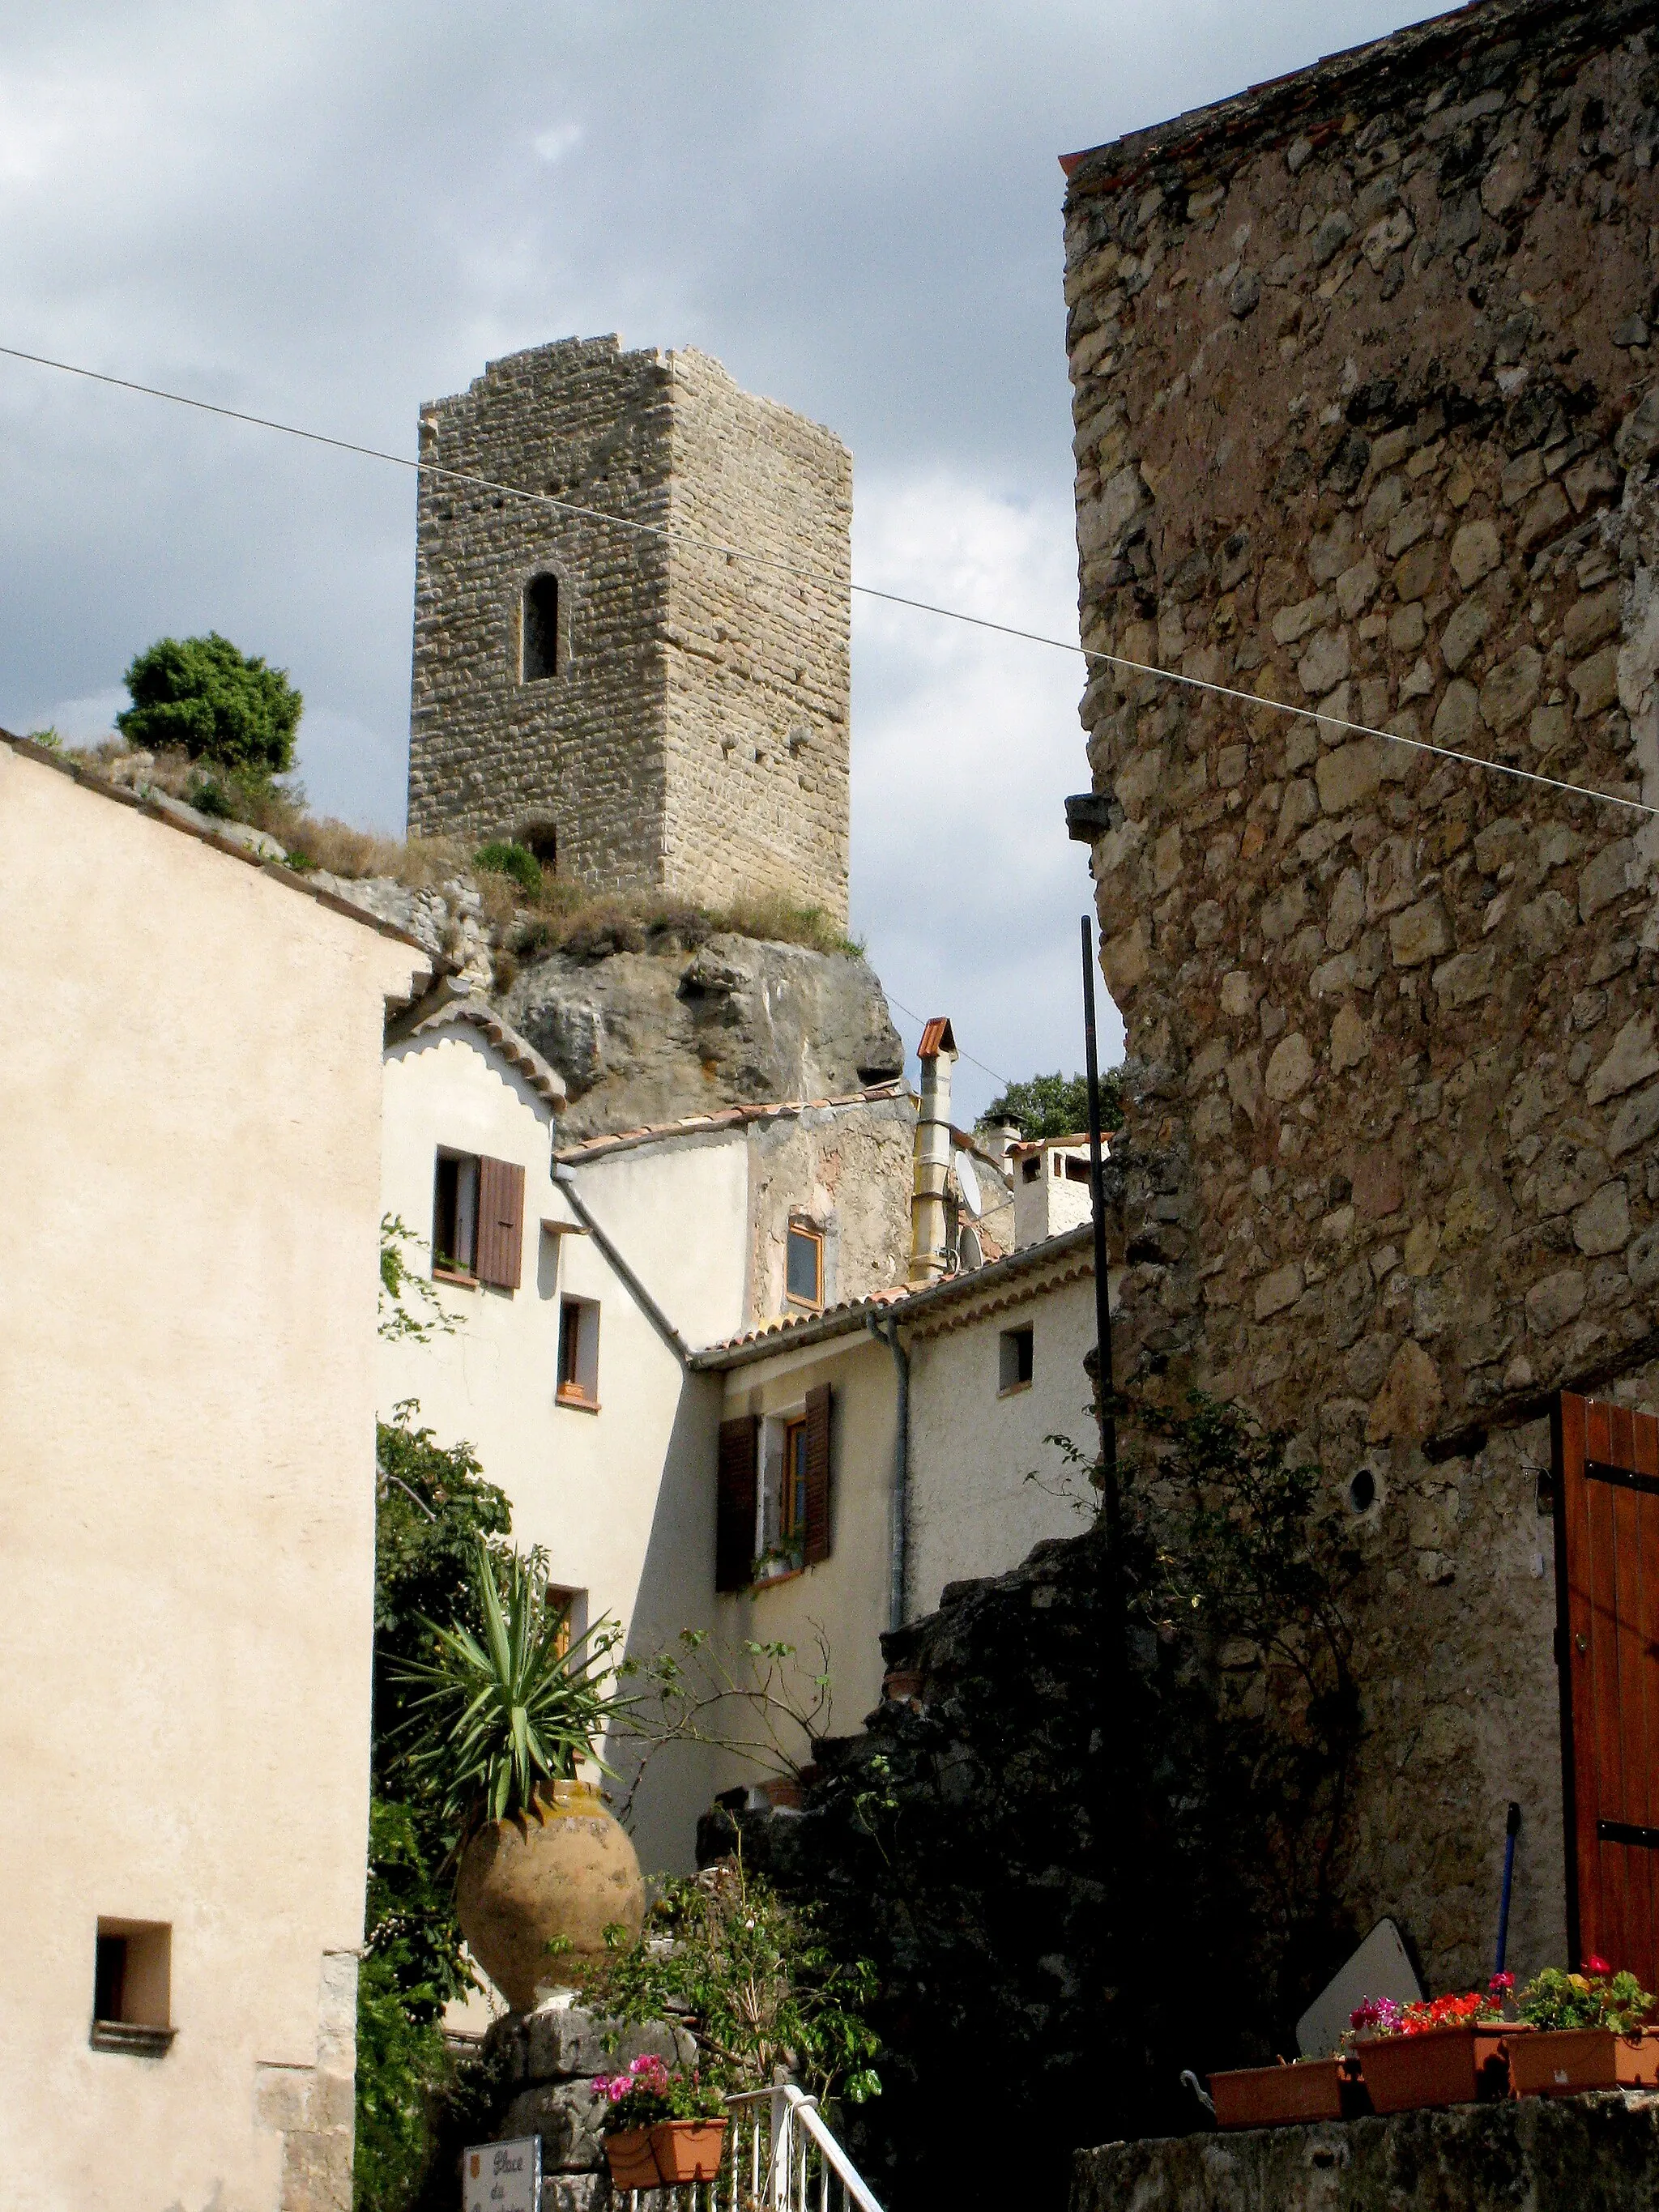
{"x":1606,"y":1539}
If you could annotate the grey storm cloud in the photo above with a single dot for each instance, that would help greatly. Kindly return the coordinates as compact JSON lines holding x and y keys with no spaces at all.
{"x":329,"y":213}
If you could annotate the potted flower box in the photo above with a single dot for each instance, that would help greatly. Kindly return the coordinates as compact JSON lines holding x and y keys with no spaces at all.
{"x":661,"y":2128}
{"x":1456,"y":2064}
{"x":1447,"y":2050}
{"x":1280,"y":2096}
{"x":632,"y":2162}
{"x":688,"y":2150}
{"x":1587,"y":2033}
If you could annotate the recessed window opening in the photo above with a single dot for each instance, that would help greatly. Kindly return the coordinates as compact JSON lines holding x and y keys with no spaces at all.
{"x":542,"y":838}
{"x":782,"y":1516}
{"x":539,"y":650}
{"x":1015,"y":1359}
{"x":803,"y":1265}
{"x":578,"y":1353}
{"x":1077,"y":1171}
{"x":132,"y":1974}
{"x":568,"y":1608}
{"x":455,"y":1215}
{"x":1031,"y":1169}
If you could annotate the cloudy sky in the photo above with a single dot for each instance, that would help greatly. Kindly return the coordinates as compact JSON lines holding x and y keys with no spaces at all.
{"x":330,"y":213}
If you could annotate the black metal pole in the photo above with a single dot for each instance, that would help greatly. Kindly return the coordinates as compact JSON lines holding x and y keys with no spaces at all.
{"x":1108,"y":1491}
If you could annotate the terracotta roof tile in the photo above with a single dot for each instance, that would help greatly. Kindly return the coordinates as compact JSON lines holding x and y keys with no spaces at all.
{"x":727,"y":1117}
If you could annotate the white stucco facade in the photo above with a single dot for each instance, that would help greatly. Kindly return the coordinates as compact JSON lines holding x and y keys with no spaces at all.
{"x":191,"y":1098}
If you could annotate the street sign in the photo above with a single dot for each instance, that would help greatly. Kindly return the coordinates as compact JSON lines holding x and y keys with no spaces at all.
{"x":503,"y":2176}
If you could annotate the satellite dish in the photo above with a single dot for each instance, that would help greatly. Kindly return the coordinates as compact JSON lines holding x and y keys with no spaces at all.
{"x":967,"y":1183}
{"x":970,"y":1253}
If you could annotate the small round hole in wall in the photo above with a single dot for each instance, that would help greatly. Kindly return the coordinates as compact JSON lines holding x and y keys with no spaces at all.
{"x":1362,"y":1492}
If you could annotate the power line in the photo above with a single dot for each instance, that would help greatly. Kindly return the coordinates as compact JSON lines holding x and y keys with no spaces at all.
{"x":1090,"y":653}
{"x":921,"y":1023}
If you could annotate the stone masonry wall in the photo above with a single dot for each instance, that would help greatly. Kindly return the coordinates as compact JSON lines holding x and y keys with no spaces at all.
{"x":694,"y":736}
{"x":1366,"y":422}
{"x":760,"y":669}
{"x":581,"y":752}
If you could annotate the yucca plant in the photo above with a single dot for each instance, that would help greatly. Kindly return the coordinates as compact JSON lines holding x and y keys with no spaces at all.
{"x":491,"y":1717}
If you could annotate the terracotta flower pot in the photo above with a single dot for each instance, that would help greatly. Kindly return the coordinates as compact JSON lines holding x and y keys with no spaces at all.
{"x":1453,"y":2065}
{"x":632,"y":2165}
{"x":687,"y":2150}
{"x":1278,"y":2096}
{"x":568,"y":1869}
{"x":1562,"y":2062}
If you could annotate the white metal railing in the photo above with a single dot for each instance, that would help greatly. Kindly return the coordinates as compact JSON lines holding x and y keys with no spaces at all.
{"x":779,"y":2156}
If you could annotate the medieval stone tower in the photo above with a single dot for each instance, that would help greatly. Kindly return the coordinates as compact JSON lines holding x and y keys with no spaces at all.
{"x":650,"y":713}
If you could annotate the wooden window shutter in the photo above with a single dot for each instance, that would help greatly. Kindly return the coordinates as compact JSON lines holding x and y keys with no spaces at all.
{"x":815,"y":1544}
{"x":501,"y":1224}
{"x":735,"y":1498}
{"x":1606,"y":1539}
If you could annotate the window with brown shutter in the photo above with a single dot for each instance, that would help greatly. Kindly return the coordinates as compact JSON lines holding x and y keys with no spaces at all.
{"x":501,"y":1224}
{"x":1607,"y":1531}
{"x":734,"y":1518}
{"x":815,"y":1544}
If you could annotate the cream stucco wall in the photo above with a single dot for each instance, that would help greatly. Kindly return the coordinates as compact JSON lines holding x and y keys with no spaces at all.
{"x":190,"y":1095}
{"x":620,"y":1498}
{"x":972,"y":1510}
{"x":845,"y":1597}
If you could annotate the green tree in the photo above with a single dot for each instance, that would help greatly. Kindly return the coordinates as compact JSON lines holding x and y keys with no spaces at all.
{"x":1057,"y":1105}
{"x":203,"y":695}
{"x":433,"y":1508}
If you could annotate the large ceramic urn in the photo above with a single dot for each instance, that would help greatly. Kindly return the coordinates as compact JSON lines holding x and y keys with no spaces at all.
{"x":568,"y":1869}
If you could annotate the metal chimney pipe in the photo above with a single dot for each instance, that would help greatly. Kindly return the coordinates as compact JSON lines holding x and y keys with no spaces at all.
{"x":930,"y":1256}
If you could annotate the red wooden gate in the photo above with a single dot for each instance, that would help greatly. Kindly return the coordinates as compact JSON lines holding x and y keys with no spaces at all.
{"x":1607,"y":1541}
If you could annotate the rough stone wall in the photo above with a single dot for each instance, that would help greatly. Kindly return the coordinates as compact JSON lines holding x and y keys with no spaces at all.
{"x":581,"y":752}
{"x":654,"y":1036}
{"x":759,"y":665}
{"x":1365,"y":421}
{"x":694,"y":737}
{"x":545,"y":2063}
{"x":1549,"y":2155}
{"x":848,"y":1170}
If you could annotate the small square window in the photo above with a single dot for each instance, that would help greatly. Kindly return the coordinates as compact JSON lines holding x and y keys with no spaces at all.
{"x":803,"y":1274}
{"x":1014,"y":1360}
{"x":1031,"y":1169}
{"x":568,"y":1608}
{"x":1077,"y":1171}
{"x":579,"y":1353}
{"x":132,"y":1986}
{"x":455,"y":1215}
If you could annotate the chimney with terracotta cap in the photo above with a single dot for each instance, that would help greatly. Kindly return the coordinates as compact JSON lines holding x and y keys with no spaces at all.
{"x":930,"y":1254}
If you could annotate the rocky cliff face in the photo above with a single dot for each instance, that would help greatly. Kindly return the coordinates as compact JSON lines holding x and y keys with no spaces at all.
{"x":654,"y":1036}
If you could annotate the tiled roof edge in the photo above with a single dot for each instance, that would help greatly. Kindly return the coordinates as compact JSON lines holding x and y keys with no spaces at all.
{"x":899,"y":1306}
{"x":518,"y":1051}
{"x":729,"y":1117}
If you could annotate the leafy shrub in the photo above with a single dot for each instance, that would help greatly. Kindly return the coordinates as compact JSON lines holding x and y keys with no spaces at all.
{"x":754,"y":1979}
{"x":204,"y":697}
{"x":1597,"y":1997}
{"x":1057,"y":1105}
{"x":502,"y":857}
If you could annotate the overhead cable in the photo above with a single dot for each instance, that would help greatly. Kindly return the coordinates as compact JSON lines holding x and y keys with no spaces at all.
{"x":710,"y":545}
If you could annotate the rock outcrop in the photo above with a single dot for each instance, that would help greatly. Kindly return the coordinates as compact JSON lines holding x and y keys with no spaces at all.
{"x":651,"y":1036}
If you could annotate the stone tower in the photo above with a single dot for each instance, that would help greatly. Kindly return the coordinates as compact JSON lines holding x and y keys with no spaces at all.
{"x":650,"y":714}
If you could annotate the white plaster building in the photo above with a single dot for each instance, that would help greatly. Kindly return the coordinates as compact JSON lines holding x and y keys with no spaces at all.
{"x":670,"y":1368}
{"x":191,"y":1101}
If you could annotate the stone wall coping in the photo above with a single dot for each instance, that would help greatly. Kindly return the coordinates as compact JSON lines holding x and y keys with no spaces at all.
{"x":1328,"y":97}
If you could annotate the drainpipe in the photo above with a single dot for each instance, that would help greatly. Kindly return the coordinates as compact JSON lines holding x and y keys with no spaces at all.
{"x":899,"y":1518}
{"x":654,"y":1313}
{"x":930,"y":1256}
